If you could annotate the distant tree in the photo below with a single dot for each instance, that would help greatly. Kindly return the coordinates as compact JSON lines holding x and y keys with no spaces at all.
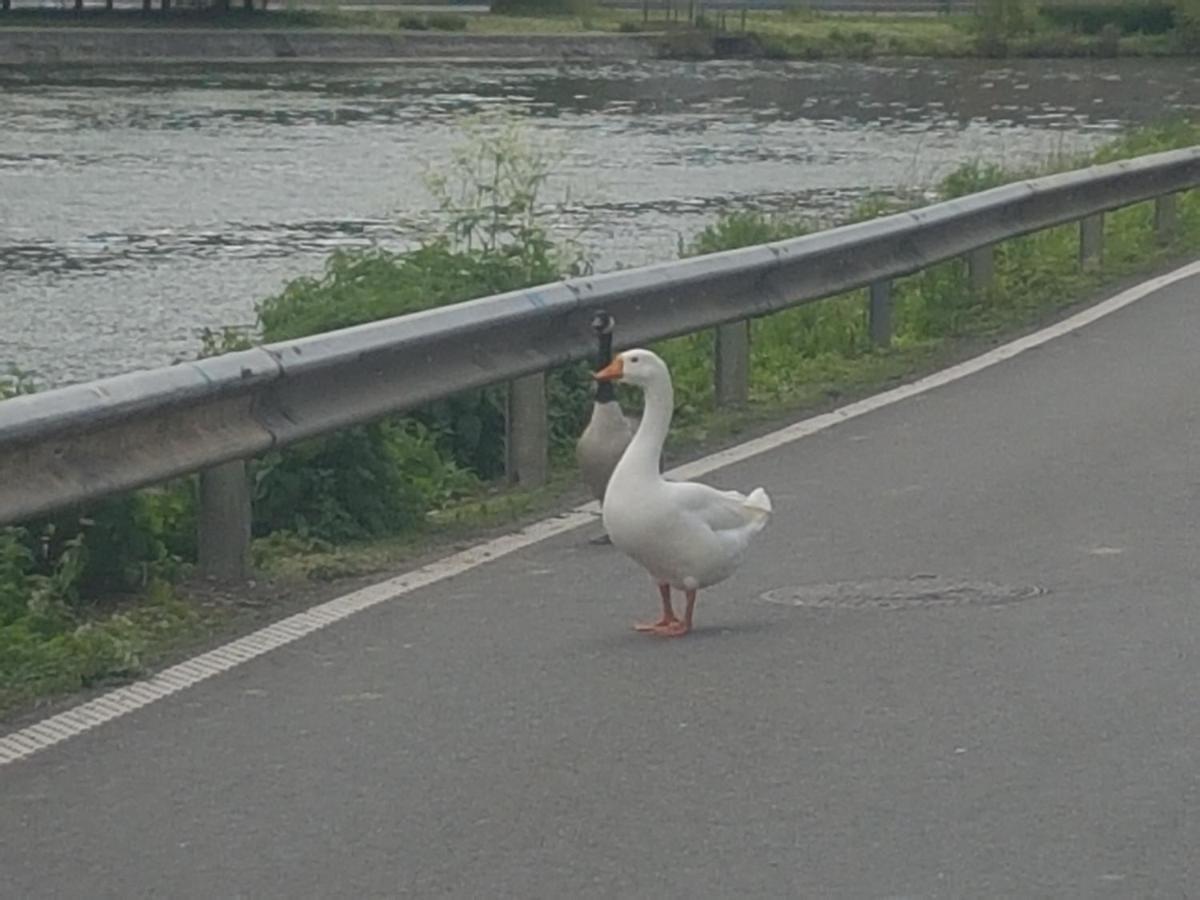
{"x":998,"y":20}
{"x":1187,"y":23}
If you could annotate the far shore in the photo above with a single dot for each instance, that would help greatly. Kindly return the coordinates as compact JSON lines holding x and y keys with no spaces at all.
{"x":30,"y":46}
{"x":122,"y":37}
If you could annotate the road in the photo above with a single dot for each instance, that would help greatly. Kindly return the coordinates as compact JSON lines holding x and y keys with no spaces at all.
{"x":503,"y":733}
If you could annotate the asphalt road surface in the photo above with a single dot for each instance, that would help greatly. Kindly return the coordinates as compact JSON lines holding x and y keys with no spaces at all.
{"x":505,"y":734}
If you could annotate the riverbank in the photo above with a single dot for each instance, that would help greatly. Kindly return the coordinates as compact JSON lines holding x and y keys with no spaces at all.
{"x":158,"y":46}
{"x":166,"y":46}
{"x":189,"y":36}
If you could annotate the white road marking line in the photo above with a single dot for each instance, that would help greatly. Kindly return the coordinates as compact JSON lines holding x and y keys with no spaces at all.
{"x":124,"y":700}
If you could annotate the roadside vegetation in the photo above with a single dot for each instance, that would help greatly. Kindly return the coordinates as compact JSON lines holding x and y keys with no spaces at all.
{"x":102,"y":593}
{"x":996,"y":28}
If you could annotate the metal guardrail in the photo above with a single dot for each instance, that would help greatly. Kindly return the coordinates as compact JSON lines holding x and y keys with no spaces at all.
{"x":86,"y":441}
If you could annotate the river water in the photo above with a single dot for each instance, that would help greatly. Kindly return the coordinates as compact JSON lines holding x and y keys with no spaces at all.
{"x":138,"y":207}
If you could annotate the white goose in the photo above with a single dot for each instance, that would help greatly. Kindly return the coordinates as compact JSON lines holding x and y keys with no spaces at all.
{"x":687,"y":535}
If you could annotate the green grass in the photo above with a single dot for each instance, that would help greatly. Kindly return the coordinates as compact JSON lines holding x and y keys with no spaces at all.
{"x":106,"y":644}
{"x":828,"y":37}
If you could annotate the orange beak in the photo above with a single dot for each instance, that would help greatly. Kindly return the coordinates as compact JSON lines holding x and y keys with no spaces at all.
{"x":612,"y":372}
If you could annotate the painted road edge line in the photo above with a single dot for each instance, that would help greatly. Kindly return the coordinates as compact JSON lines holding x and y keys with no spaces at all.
{"x":121,"y":701}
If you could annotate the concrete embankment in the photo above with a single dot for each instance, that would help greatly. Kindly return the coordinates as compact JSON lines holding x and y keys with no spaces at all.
{"x":25,"y":46}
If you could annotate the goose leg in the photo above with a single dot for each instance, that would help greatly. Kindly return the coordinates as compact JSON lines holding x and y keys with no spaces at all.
{"x":668,"y":614}
{"x":679,"y":628}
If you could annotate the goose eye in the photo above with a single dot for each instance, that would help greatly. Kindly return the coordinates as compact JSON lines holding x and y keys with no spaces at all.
{"x":633,"y":359}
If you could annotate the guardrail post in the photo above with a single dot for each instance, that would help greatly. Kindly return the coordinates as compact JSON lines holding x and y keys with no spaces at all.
{"x":879,"y":313}
{"x":1091,"y":241}
{"x":528,"y":431}
{"x":1166,"y":218}
{"x":732,"y":364}
{"x":981,"y":269}
{"x":223,"y":539}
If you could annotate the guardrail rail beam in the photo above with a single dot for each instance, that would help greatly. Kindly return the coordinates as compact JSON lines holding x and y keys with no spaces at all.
{"x":80,"y":443}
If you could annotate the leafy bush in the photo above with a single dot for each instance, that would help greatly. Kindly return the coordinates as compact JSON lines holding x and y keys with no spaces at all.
{"x":130,"y":540}
{"x":14,"y":382}
{"x":973,"y":177}
{"x":47,"y":644}
{"x":1127,"y":17}
{"x":1172,"y":134}
{"x":365,"y":286}
{"x":361,"y":482}
{"x":745,"y":228}
{"x":52,"y":635}
{"x":467,"y":430}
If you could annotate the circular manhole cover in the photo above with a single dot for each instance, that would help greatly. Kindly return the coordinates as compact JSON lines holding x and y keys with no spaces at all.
{"x":919,"y":592}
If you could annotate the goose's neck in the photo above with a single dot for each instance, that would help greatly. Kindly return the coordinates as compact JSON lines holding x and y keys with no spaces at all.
{"x":646,"y":447}
{"x":605,"y":391}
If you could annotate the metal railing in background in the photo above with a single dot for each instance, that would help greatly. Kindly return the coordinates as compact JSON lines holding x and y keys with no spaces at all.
{"x":849,"y":7}
{"x":85,"y":441}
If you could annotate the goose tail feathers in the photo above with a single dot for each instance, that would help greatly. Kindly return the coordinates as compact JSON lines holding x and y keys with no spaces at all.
{"x":759,"y":503}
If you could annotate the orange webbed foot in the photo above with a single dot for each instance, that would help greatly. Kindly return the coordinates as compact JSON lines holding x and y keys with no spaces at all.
{"x":655,"y":627}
